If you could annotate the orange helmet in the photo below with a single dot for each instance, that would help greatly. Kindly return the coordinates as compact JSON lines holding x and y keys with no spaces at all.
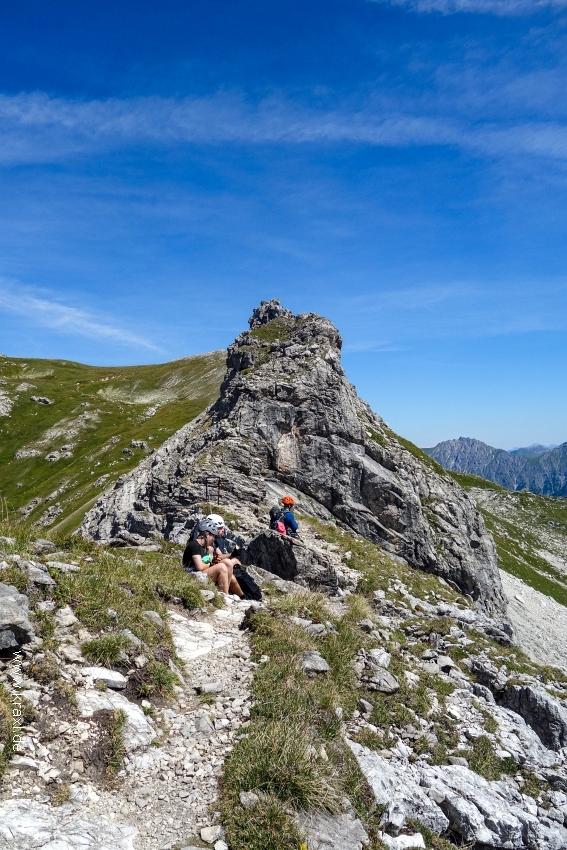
{"x":288,"y":500}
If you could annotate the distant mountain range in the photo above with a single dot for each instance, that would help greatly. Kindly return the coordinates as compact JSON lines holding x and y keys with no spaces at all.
{"x":540,"y":469}
{"x":534,"y":450}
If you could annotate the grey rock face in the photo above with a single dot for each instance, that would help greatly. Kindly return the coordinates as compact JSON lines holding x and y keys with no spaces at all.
{"x":291,"y":561}
{"x":332,"y":832}
{"x":27,"y":825}
{"x":545,"y":714}
{"x":288,"y":414}
{"x":397,"y":786}
{"x":484,"y":814}
{"x":15,"y":627}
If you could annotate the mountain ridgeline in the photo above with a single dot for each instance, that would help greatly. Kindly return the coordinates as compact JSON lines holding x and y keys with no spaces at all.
{"x":536,"y":468}
{"x":68,"y":430}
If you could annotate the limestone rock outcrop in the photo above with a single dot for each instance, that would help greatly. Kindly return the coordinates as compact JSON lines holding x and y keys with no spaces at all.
{"x":482,"y":813}
{"x":15,"y":627}
{"x":287,"y":415}
{"x":291,"y":561}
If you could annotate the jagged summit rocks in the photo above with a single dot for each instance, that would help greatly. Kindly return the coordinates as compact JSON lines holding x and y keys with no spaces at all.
{"x":288,"y":417}
{"x":267,"y":312}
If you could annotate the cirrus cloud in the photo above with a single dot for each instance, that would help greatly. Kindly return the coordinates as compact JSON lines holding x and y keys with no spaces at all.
{"x":502,"y":8}
{"x":50,"y":313}
{"x":38,"y":128}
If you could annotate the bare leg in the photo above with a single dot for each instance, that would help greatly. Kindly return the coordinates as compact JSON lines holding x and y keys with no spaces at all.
{"x":219,"y":574}
{"x":233,"y":585}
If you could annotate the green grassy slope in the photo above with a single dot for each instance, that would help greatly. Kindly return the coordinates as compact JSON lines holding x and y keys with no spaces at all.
{"x":96,"y":412}
{"x":530,"y":532}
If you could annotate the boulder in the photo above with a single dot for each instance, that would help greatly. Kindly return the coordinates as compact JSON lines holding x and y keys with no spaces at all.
{"x":544,"y":713}
{"x":15,"y":627}
{"x":65,"y":617}
{"x":210,"y":834}
{"x":332,"y":832}
{"x":41,"y":546}
{"x":287,"y":416}
{"x":8,"y":541}
{"x":63,"y":567}
{"x":383,"y":681}
{"x":402,"y":842}
{"x":27,"y":825}
{"x":314,"y":663}
{"x":37,"y":574}
{"x":111,"y":678}
{"x":138,"y":731}
{"x":291,"y":561}
{"x":248,"y":800}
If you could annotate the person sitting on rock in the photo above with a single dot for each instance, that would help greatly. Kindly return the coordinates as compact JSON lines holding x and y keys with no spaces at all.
{"x":224,"y":546}
{"x":289,"y":520}
{"x":224,"y":549}
{"x":197,"y":558}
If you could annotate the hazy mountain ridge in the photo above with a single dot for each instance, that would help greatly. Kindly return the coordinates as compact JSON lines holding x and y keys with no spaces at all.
{"x":544,"y":473}
{"x":535,"y":450}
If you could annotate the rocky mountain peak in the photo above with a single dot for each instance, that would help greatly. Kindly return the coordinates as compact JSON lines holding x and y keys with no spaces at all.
{"x":287,"y":419}
{"x":267,"y":312}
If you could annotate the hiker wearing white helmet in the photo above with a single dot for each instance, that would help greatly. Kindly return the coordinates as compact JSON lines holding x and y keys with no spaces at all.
{"x":199,"y":557}
{"x":223,"y":547}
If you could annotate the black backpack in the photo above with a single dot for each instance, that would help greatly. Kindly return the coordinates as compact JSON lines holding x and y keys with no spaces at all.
{"x":277,"y":520}
{"x":247,"y":583}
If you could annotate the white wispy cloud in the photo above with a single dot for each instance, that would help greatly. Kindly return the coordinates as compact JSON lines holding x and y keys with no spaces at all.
{"x":37,"y":128}
{"x":502,"y":8}
{"x":50,"y":313}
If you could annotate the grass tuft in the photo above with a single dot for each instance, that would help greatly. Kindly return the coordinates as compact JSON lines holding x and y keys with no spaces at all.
{"x":484,"y":761}
{"x":116,"y":748}
{"x":105,"y":650}
{"x":158,"y":679}
{"x":267,"y":827}
{"x":279,"y":758}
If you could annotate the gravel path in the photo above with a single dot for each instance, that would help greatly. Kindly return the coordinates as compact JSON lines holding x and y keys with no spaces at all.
{"x":540,"y":622}
{"x":171,"y":789}
{"x":166,"y":793}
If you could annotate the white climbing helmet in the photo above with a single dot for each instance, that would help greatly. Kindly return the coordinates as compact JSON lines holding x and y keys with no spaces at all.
{"x":217,"y":519}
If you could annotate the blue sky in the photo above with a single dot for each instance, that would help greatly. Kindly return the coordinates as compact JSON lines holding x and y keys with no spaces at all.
{"x":397,"y":166}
